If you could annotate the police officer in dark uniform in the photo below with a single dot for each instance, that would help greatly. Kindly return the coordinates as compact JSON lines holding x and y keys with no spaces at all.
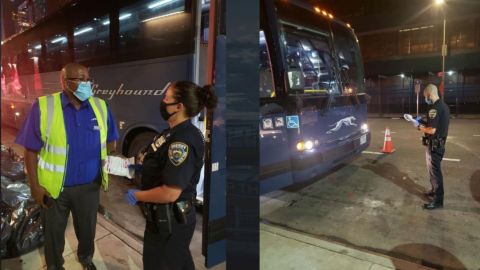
{"x":170,"y":171}
{"x":435,"y":131}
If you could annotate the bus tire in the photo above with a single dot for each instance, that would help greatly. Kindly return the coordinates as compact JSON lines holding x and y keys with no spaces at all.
{"x":139,"y":142}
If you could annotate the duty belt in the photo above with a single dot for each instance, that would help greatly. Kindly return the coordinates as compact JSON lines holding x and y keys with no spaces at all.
{"x":153,"y":211}
{"x":436,"y":142}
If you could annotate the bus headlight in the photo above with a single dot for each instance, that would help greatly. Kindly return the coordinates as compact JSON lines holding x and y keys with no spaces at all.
{"x":305,"y":145}
{"x":364,"y":128}
{"x":308,"y":145}
{"x":300,"y":146}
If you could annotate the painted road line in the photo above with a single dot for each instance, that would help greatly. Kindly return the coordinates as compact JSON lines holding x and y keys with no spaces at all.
{"x":452,"y":159}
{"x":373,"y":153}
{"x":476,"y":135}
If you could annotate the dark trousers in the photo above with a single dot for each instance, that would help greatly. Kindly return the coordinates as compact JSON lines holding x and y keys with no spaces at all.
{"x":83,"y":202}
{"x":172,"y":253}
{"x":434,"y":158}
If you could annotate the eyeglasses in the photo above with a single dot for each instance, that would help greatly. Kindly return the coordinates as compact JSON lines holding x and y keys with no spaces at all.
{"x":78,"y":80}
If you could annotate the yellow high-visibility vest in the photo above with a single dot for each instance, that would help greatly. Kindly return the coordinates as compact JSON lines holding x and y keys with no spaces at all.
{"x":52,"y":162}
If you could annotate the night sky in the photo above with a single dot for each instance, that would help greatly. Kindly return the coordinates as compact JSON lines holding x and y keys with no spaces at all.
{"x":367,"y":15}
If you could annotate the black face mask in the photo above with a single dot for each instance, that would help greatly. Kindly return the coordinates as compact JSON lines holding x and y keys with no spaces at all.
{"x":163,"y":110}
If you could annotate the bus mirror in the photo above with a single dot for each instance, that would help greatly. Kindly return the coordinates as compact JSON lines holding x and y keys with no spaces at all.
{"x":296,"y":80}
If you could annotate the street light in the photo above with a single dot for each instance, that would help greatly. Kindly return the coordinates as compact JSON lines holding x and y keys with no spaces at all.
{"x":444,"y":48}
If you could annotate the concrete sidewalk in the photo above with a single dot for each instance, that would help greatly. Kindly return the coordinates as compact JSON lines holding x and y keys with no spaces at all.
{"x":287,"y":249}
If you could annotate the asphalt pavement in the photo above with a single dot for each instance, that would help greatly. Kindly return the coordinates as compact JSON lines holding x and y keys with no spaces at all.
{"x":374,"y":203}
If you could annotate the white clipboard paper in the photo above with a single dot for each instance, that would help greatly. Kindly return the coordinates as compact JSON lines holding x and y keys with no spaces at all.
{"x":119,"y":166}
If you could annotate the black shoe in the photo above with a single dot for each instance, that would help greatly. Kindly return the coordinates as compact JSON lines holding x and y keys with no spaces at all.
{"x":433,"y":205}
{"x":89,"y":266}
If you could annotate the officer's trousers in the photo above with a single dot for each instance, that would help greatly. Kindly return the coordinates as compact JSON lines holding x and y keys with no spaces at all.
{"x":169,"y":253}
{"x":83,"y":202}
{"x":434,"y":158}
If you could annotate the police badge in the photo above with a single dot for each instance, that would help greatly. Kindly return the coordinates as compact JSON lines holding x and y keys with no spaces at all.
{"x":177,"y":153}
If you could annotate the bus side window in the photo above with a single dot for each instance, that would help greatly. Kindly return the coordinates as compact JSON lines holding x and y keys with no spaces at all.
{"x":155,"y":29}
{"x":11,"y":85}
{"x":265,"y":69}
{"x":57,"y":53}
{"x":91,"y":40}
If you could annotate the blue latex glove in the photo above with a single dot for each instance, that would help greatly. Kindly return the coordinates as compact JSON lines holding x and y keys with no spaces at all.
{"x":416,"y":123}
{"x":130,"y":196}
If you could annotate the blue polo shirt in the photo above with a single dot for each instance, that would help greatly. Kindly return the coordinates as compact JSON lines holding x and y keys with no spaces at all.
{"x":83,"y":139}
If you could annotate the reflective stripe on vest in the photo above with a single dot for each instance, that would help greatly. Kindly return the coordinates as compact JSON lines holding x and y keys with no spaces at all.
{"x":52,"y":161}
{"x":50,"y":167}
{"x":100,"y":109}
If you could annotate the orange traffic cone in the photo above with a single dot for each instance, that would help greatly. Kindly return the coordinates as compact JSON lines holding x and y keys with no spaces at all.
{"x":387,"y":143}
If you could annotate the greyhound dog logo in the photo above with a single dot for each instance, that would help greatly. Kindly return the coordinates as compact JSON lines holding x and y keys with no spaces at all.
{"x":347,"y":121}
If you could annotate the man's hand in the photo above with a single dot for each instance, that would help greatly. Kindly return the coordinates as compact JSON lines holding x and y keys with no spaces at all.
{"x":38,"y":192}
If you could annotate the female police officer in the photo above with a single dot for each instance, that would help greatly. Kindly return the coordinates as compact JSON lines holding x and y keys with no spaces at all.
{"x":170,"y":171}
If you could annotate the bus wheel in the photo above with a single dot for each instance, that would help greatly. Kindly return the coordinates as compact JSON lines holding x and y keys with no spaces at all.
{"x":139,"y":142}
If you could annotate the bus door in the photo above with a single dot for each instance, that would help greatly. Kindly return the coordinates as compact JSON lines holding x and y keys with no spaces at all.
{"x":214,"y":185}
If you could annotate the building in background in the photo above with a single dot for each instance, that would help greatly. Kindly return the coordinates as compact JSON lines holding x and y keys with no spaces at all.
{"x":401,"y":44}
{"x":21,"y":15}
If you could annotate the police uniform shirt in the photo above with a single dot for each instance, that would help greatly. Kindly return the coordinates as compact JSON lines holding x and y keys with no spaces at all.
{"x":438,"y":117}
{"x":175,"y":158}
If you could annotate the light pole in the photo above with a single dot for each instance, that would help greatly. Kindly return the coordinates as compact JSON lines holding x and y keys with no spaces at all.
{"x":444,"y":49}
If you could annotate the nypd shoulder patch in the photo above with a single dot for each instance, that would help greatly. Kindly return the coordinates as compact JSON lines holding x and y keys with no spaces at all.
{"x":432,"y":113}
{"x":177,"y":153}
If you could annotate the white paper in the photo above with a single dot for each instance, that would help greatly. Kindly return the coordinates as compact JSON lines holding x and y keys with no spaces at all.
{"x":119,"y":166}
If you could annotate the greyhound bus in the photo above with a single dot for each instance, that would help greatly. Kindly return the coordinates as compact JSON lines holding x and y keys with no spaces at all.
{"x":313,"y":113}
{"x":312,"y":94}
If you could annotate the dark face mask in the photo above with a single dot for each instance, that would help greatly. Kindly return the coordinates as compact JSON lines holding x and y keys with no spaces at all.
{"x":163,"y":110}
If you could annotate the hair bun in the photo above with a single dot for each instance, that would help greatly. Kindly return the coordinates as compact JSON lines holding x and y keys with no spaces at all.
{"x":208,"y":97}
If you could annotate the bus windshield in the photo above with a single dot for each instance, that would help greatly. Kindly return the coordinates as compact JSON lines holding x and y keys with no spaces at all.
{"x":321,"y":55}
{"x":308,"y":61}
{"x":349,"y":59}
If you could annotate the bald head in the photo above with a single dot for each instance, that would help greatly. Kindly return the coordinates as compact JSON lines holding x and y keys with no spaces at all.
{"x":431,"y":92}
{"x":71,"y":74}
{"x":431,"y":89}
{"x":73,"y":70}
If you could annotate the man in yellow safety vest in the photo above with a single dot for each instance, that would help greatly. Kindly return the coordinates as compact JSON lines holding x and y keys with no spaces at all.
{"x":67,"y":136}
